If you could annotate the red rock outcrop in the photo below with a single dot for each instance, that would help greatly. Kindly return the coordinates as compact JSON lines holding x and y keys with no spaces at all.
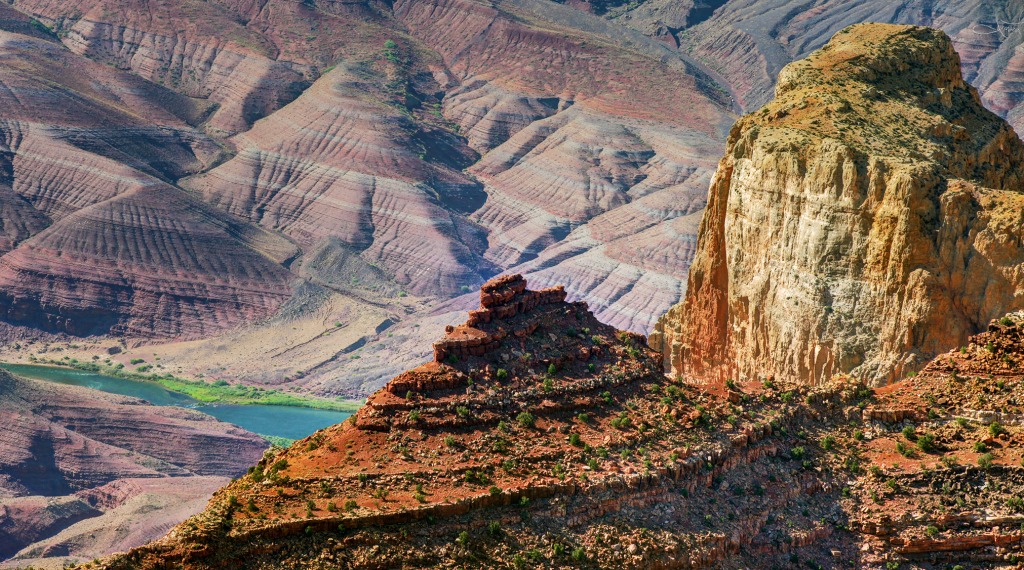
{"x":567,"y":434}
{"x":501,"y":300}
{"x":616,"y":466}
{"x":863,"y":222}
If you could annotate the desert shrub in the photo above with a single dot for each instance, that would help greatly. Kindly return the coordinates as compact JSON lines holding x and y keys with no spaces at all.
{"x":985,"y":461}
{"x":995,"y":429}
{"x":926,"y":442}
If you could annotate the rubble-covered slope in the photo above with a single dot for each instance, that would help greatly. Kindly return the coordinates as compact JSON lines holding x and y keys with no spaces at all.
{"x":539,"y":438}
{"x":939,"y":459}
{"x":864,"y":221}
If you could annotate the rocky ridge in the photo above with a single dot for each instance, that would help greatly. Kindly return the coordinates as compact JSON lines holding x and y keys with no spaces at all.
{"x":862,"y":222}
{"x":540,"y":437}
{"x":469,"y":463}
{"x":537,"y":437}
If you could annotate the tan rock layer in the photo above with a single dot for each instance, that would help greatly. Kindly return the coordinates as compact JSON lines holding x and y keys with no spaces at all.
{"x":865,"y":221}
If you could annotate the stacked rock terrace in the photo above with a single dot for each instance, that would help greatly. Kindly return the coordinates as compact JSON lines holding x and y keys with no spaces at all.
{"x":605,"y":456}
{"x":501,"y":300}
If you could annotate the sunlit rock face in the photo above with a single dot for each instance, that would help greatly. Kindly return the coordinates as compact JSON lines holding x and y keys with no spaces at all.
{"x":865,"y":220}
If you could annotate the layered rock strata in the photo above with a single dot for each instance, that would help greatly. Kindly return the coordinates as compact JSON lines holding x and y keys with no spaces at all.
{"x":70,"y":454}
{"x":500,"y":301}
{"x":94,"y":237}
{"x":863,"y":222}
{"x":606,"y":463}
{"x":338,"y":164}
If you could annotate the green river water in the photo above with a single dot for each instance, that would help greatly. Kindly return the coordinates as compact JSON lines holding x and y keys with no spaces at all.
{"x":279,"y":421}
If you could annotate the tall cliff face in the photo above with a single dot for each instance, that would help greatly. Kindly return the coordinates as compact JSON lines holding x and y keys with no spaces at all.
{"x":865,"y":220}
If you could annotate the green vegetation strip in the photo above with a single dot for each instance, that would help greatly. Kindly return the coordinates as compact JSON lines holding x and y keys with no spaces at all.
{"x":282,"y":442}
{"x":219,"y":391}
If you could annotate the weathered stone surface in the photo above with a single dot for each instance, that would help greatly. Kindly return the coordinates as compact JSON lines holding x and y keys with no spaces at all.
{"x":528,"y":445}
{"x":865,"y":221}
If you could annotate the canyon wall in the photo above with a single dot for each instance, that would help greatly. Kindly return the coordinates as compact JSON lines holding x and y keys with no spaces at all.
{"x":865,"y":220}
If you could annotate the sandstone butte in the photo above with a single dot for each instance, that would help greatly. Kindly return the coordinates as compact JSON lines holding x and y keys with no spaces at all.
{"x":540,"y":438}
{"x":864,"y":221}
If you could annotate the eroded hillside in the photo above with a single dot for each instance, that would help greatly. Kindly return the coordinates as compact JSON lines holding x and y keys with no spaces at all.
{"x":84,"y":473}
{"x":346,"y":155}
{"x":540,"y":438}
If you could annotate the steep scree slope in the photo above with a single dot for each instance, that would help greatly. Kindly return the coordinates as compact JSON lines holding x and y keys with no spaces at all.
{"x":864,"y":221}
